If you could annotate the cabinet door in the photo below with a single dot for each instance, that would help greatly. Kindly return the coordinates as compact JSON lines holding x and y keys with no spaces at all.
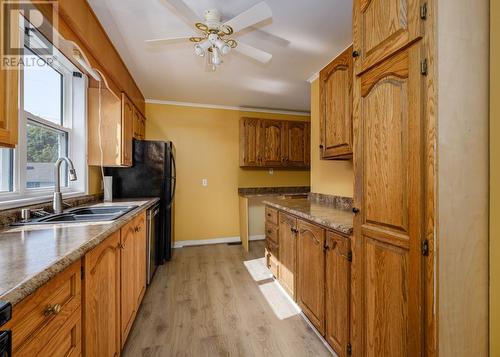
{"x":271,"y":143}
{"x":387,"y":266}
{"x":288,"y":252}
{"x":137,"y":131}
{"x":297,"y":147}
{"x":9,"y":109}
{"x":102,"y":299}
{"x":311,"y":273}
{"x":140,"y":250}
{"x":382,"y":27}
{"x":127,"y":130}
{"x":336,"y":108}
{"x":128,"y":279}
{"x":249,"y":142}
{"x":338,"y":292}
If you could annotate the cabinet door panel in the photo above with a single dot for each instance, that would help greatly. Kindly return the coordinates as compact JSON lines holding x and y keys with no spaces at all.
{"x":128,"y":279}
{"x":387,"y":258}
{"x":287,"y":248}
{"x":297,"y":144}
{"x":140,"y":250}
{"x":311,"y":273}
{"x":249,"y":142}
{"x":127,"y":130}
{"x":102,"y":299}
{"x":382,"y":27}
{"x":272,"y":142}
{"x":336,"y":107}
{"x":338,"y":292}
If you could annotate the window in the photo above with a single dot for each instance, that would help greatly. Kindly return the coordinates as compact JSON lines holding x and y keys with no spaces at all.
{"x":52,"y":124}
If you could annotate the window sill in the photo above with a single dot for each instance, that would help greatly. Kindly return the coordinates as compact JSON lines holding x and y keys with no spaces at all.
{"x":13,"y":202}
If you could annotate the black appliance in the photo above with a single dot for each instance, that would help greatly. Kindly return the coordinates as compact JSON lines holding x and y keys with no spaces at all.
{"x":6,"y":335}
{"x":152,"y":175}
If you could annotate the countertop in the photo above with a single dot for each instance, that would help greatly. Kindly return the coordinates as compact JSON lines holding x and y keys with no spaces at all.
{"x":33,"y":254}
{"x":272,"y":191}
{"x":336,"y":217}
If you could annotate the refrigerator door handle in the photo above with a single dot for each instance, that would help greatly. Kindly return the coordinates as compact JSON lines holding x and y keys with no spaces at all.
{"x":174,"y":179}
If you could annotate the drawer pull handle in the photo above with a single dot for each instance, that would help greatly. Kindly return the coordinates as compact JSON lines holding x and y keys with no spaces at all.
{"x":269,"y":214}
{"x":52,"y":310}
{"x":269,"y":231}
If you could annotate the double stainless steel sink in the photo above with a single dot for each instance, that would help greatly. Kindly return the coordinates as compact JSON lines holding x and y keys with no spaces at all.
{"x":82,"y":214}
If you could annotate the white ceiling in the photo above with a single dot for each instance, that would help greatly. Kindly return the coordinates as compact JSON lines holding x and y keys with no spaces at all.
{"x":303,"y":36}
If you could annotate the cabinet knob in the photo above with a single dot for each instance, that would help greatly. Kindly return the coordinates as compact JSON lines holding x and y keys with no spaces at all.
{"x":355,"y":54}
{"x":355,"y":210}
{"x":321,"y":146}
{"x":52,"y":310}
{"x":121,"y":246}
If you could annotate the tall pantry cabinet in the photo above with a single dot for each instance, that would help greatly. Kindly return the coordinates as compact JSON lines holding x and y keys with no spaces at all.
{"x":389,"y":248}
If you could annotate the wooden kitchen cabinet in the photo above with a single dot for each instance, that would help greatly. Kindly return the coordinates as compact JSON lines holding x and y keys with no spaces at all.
{"x":133,"y":271}
{"x":296,"y":146}
{"x":383,"y":27}
{"x":116,"y":126}
{"x":9,"y":107}
{"x":335,"y":88}
{"x":387,"y":262}
{"x":102,"y":299}
{"x":288,"y":253}
{"x":274,"y":143}
{"x":272,"y":139}
{"x":51,"y":315}
{"x":311,"y":273}
{"x":249,"y":142}
{"x":338,"y":259}
{"x":139,"y":126}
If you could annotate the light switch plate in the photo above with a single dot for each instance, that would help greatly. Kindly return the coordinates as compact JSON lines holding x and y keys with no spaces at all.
{"x":204,"y":182}
{"x":271,"y":171}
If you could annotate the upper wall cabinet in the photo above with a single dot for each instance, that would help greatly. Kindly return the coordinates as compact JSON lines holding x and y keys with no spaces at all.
{"x":139,"y":125}
{"x":382,"y":27}
{"x":110,"y":131}
{"x":274,"y":143}
{"x":9,"y":110}
{"x":336,"y":108}
{"x":272,"y":136}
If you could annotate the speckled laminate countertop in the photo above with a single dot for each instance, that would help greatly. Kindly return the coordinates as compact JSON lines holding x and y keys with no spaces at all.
{"x":33,"y":254}
{"x":328,"y":215}
{"x":272,"y":191}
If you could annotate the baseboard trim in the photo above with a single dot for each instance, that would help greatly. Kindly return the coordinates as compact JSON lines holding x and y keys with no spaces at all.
{"x":188,"y":243}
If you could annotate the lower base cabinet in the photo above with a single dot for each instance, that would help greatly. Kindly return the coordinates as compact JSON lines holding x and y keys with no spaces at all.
{"x":102,"y":299}
{"x":288,"y":253}
{"x":311,"y":273}
{"x":48,"y":322}
{"x":338,"y":259}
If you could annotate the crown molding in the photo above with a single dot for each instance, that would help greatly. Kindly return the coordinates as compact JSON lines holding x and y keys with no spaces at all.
{"x":226,"y":107}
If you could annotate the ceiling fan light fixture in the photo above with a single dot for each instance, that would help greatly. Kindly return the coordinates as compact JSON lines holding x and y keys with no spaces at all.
{"x":222,"y":46}
{"x":216,"y":57}
{"x":201,"y":48}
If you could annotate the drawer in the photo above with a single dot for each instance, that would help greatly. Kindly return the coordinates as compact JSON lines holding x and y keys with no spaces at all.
{"x":41,"y":315}
{"x":272,"y":232}
{"x":271,"y":215}
{"x":272,"y":263}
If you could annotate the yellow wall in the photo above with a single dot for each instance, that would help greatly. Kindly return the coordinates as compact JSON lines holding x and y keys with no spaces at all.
{"x":327,"y":176}
{"x":494,"y":178}
{"x":207,"y":146}
{"x":95,"y":180}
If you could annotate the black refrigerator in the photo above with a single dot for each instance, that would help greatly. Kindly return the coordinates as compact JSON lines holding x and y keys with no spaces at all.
{"x":152,"y":175}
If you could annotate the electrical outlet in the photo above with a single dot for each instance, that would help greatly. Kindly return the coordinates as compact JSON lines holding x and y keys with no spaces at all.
{"x":271,"y":172}
{"x":204,"y":182}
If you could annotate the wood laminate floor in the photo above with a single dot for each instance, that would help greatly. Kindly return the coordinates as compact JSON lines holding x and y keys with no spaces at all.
{"x":205,"y":303}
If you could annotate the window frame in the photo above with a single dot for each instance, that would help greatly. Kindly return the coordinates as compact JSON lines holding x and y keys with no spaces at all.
{"x":74,"y":101}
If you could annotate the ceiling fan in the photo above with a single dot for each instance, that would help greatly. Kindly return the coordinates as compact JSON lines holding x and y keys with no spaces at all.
{"x":214,"y":39}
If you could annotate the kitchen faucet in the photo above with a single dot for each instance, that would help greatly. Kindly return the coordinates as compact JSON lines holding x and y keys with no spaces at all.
{"x":57,"y":204}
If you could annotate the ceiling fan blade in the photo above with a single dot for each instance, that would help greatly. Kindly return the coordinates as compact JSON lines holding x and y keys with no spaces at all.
{"x":183,"y":11}
{"x":168,"y":40}
{"x":252,"y":16}
{"x":252,"y":52}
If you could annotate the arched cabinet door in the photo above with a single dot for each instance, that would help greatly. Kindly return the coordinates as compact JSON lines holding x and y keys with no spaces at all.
{"x":383,"y":27}
{"x":387,"y":263}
